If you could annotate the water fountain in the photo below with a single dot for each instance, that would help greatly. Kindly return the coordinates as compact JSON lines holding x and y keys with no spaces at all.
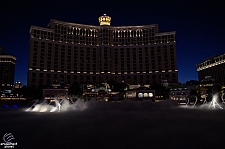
{"x":214,"y":104}
{"x":222,"y":97}
{"x":57,"y":105}
{"x":188,"y":101}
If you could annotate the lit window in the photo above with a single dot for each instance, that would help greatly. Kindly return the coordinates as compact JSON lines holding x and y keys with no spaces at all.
{"x":150,"y":95}
{"x":145,"y":94}
{"x":140,"y":95}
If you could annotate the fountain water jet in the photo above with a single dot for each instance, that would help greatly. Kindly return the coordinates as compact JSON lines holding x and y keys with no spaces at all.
{"x":214,"y":104}
{"x":188,"y":101}
{"x":56,"y":105}
{"x":222,"y":98}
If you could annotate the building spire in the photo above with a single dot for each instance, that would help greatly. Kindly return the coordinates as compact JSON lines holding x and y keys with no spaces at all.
{"x":104,"y":20}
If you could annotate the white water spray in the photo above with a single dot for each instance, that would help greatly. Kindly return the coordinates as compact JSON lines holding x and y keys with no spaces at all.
{"x":56,"y":105}
{"x":214,"y":104}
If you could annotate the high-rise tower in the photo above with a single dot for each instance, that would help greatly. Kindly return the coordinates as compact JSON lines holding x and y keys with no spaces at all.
{"x":7,"y":69}
{"x":68,"y":52}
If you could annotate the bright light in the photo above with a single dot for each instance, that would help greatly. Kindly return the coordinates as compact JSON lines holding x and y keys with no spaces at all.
{"x":140,"y":95}
{"x":150,"y":94}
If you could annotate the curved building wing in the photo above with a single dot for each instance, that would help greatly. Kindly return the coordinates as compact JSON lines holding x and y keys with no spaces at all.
{"x":67,"y":52}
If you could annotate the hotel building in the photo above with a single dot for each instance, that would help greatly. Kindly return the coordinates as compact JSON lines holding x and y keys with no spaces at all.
{"x":7,"y":69}
{"x":214,"y":67}
{"x":68,"y":52}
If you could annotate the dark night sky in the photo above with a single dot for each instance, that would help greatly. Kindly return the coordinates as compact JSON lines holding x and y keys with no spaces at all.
{"x":199,"y":25}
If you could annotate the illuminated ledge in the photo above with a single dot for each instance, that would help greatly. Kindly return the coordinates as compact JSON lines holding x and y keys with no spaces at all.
{"x":41,"y":28}
{"x":74,"y":24}
{"x":98,"y":27}
{"x":210,"y":65}
{"x":134,"y":27}
{"x":13,"y":98}
{"x":8,"y":56}
{"x":7,"y":62}
{"x":165,"y":33}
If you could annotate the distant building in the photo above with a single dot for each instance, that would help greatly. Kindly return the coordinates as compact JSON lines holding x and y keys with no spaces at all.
{"x":18,"y":84}
{"x":164,"y":83}
{"x":7,"y":69}
{"x":179,"y":94}
{"x":56,"y":91}
{"x":141,"y":93}
{"x":213,"y":67}
{"x":67,"y":52}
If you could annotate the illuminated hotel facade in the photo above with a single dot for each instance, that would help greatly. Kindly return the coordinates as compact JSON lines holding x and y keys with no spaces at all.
{"x":68,"y":52}
{"x":7,"y":69}
{"x":214,"y":67}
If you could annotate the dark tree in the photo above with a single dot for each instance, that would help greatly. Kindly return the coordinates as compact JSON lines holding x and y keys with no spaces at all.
{"x":75,"y":89}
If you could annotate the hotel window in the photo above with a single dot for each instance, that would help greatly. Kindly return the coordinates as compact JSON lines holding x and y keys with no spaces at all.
{"x":173,"y":76}
{"x":33,"y":74}
{"x":41,"y":75}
